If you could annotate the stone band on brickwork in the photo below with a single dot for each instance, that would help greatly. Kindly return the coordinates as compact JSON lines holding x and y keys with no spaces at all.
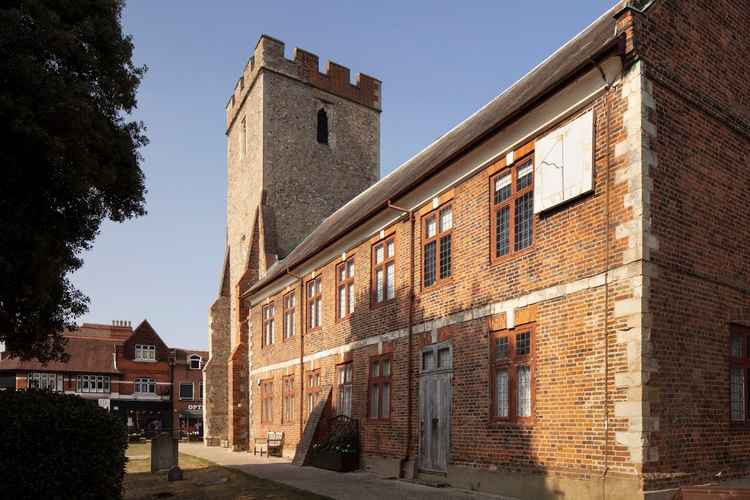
{"x":620,"y":274}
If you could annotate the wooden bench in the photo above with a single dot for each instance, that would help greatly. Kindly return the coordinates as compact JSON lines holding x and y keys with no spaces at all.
{"x":275,"y":443}
{"x":261,"y":445}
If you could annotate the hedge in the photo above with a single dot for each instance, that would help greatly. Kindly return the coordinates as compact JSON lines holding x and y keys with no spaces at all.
{"x":59,"y":446}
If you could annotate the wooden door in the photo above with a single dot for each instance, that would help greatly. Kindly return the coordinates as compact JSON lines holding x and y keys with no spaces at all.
{"x":435,"y":399}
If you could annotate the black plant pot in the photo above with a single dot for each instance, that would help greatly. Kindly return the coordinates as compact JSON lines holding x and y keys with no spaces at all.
{"x":339,"y":462}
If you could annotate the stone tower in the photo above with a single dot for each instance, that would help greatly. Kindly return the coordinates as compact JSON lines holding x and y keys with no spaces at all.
{"x":300,"y":144}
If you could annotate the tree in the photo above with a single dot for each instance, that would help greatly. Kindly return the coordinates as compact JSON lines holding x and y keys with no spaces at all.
{"x":70,"y":159}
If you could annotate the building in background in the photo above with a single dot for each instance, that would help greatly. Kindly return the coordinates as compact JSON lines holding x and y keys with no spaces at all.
{"x":128,"y":371}
{"x":188,"y":392}
{"x":145,"y":390}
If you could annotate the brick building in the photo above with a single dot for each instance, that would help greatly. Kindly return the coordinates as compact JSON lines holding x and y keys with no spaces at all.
{"x":552,"y":299}
{"x":188,"y":391}
{"x":128,"y":371}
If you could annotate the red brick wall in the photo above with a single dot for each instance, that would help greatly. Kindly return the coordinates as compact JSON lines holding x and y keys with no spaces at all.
{"x":183,"y":374}
{"x":131,"y":370}
{"x":694,"y":55}
{"x":567,"y":434}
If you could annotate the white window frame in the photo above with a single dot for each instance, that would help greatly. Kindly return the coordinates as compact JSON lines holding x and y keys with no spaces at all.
{"x":45,"y":381}
{"x":147,"y":382}
{"x":145,"y":352}
{"x":194,"y":357}
{"x":90,"y":384}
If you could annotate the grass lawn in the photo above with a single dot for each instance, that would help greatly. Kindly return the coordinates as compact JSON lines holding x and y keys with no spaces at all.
{"x":202,"y":480}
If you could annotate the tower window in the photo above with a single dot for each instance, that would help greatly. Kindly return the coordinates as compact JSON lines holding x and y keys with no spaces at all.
{"x":322,"y":126}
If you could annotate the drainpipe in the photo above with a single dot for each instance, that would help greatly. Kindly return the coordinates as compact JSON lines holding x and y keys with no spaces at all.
{"x":172,"y":356}
{"x":301,"y":310}
{"x":410,"y":214}
{"x":608,"y":87}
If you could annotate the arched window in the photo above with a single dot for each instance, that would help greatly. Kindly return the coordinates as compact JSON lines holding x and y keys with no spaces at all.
{"x":195,"y":362}
{"x":322,"y":126}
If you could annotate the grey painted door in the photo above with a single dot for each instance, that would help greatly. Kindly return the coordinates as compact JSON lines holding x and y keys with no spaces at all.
{"x":435,"y":398}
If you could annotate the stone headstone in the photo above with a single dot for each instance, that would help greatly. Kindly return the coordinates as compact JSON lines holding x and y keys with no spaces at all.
{"x":174,"y":474}
{"x":163,"y":452}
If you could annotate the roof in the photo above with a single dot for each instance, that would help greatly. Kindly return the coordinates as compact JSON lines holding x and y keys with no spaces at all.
{"x":119,"y":332}
{"x":182,"y":355}
{"x":87,"y":355}
{"x":570,"y":59}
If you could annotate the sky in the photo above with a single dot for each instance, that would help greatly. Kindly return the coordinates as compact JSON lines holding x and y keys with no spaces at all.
{"x":439,"y":62}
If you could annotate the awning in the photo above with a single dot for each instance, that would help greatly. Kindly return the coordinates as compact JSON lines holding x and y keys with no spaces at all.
{"x":191,"y":414}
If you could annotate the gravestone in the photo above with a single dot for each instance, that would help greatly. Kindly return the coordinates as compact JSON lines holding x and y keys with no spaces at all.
{"x":163,"y":452}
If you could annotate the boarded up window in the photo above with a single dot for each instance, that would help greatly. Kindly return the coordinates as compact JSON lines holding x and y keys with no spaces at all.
{"x":564,"y":163}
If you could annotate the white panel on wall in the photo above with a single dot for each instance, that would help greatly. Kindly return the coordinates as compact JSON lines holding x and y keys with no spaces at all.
{"x":563,"y":162}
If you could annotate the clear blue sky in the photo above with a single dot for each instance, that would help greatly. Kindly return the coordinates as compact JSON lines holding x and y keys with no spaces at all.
{"x":439,"y":62}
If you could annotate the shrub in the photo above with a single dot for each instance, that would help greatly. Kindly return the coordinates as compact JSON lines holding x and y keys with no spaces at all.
{"x":59,"y":446}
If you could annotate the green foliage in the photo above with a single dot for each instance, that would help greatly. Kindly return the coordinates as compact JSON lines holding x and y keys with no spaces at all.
{"x":59,"y":446}
{"x":69,"y":158}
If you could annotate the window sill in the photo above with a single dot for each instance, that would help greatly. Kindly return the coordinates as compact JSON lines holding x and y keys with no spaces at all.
{"x":499,"y":423}
{"x":377,"y":305}
{"x":139,"y":360}
{"x":379,"y":420}
{"x":438,"y":284}
{"x":513,"y":255}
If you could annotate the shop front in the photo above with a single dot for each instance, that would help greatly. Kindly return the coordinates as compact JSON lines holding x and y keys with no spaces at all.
{"x":190,"y":421}
{"x":144,"y":418}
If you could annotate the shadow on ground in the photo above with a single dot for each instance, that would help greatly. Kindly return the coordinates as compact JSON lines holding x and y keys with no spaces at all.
{"x":202,"y":480}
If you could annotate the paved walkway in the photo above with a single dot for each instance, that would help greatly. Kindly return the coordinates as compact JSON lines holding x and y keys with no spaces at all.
{"x":345,"y":486}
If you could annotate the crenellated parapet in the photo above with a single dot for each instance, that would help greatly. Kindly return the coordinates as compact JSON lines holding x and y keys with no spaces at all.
{"x":336,"y":79}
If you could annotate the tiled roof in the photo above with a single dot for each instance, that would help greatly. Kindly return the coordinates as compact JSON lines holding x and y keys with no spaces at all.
{"x":87,"y":355}
{"x":577,"y":54}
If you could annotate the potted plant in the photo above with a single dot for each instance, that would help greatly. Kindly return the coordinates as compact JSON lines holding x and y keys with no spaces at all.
{"x":339,"y":451}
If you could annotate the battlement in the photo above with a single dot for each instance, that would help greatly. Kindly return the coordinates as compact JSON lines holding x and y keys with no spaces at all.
{"x":336,"y":79}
